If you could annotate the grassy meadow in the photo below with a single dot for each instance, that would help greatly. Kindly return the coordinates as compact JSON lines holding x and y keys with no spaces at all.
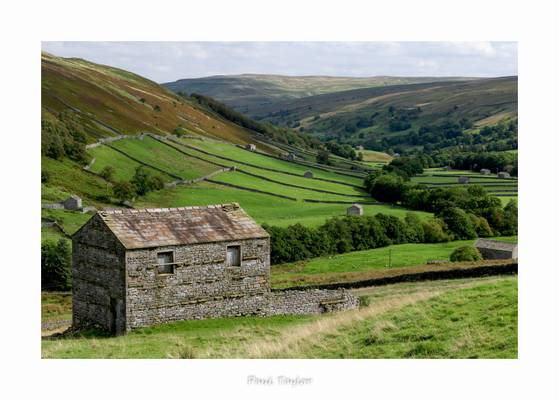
{"x":263,"y":208}
{"x":442,"y":319}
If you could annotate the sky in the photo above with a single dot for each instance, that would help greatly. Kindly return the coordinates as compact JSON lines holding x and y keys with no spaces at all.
{"x":169,"y":61}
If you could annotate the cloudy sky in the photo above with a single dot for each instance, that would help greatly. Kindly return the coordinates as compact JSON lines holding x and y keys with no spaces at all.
{"x":169,"y":61}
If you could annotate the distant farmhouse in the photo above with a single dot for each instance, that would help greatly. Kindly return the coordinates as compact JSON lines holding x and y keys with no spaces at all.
{"x":503,"y":175}
{"x":140,"y":267}
{"x":464,"y":179}
{"x":355,"y":209}
{"x":495,"y":249}
{"x":308,"y":174}
{"x":250,"y":147}
{"x":484,"y":171}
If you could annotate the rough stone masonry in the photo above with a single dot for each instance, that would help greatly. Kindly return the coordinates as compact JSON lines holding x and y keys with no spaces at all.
{"x":135,"y":268}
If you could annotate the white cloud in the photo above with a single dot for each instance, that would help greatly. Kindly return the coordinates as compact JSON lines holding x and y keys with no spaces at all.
{"x":168,"y":61}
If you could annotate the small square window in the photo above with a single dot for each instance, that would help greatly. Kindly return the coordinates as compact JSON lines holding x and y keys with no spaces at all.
{"x":234,"y":256}
{"x":165,"y":263}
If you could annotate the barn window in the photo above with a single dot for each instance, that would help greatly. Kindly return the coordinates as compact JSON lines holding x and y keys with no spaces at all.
{"x":165,"y":263}
{"x":234,"y":256}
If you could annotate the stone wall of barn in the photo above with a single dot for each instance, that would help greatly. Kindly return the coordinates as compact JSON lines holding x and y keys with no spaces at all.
{"x":202,"y":285}
{"x":98,"y":286}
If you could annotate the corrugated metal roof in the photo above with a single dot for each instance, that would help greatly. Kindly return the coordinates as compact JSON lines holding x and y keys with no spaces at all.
{"x":154,"y":227}
{"x":495,"y":244}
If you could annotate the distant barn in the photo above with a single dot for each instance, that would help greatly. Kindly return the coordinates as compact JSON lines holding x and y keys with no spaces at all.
{"x":73,"y":203}
{"x":308,"y":174}
{"x":291,"y":157}
{"x":355,"y":209}
{"x":360,"y":148}
{"x":250,"y":147}
{"x":447,"y":167}
{"x":464,"y":179}
{"x":503,"y":175}
{"x":496,"y":250}
{"x":484,"y":171}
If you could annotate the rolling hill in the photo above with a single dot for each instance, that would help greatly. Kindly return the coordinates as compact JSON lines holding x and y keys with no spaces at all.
{"x":109,"y":101}
{"x":248,"y":92}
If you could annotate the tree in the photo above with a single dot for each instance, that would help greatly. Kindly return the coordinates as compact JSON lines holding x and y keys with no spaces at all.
{"x":124,"y":191}
{"x":509,"y":224}
{"x":434,"y":231}
{"x":388,"y":188}
{"x":107,"y":173}
{"x":458,"y":222}
{"x":157,"y":108}
{"x":465,"y":253}
{"x":56,"y":261}
{"x":45,"y":176}
{"x":323,"y":157}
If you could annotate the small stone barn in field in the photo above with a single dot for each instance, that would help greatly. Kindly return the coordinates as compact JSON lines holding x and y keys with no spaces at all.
{"x":308,"y":174}
{"x":355,"y":209}
{"x":250,"y":147}
{"x":134,"y":268}
{"x":496,"y":250}
{"x":484,"y":171}
{"x":464,"y":179}
{"x":73,"y":203}
{"x":291,"y":157}
{"x":503,"y":175}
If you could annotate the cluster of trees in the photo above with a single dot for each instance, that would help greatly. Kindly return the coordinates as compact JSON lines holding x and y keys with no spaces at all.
{"x":494,"y":161}
{"x":351,"y":233}
{"x":467,"y":212}
{"x":64,"y":136}
{"x":342,"y":150}
{"x":56,"y":265}
{"x":141,"y":183}
{"x":400,"y":119}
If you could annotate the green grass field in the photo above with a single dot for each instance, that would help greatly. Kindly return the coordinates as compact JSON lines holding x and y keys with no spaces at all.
{"x":263,"y":208}
{"x":442,"y":319}
{"x":375,"y":156}
{"x":125,"y":168}
{"x":158,"y":154}
{"x":455,"y":324}
{"x":236,"y":153}
{"x":399,"y":255}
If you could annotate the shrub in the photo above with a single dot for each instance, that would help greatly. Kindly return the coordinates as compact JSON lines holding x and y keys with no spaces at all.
{"x":124,"y":191}
{"x":56,"y":265}
{"x":364,"y":301}
{"x":45,"y":176}
{"x":144,"y":182}
{"x":107,"y":173}
{"x":434,"y":231}
{"x":465,"y":253}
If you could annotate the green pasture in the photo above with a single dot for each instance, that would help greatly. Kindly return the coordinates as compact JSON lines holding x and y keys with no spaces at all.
{"x":264,"y":208}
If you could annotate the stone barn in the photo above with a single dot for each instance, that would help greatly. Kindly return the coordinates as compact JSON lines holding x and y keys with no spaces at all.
{"x":503,"y":175}
{"x":484,"y":171}
{"x":464,"y":179}
{"x":355,"y":209}
{"x":291,"y":157}
{"x":250,"y":147}
{"x":73,"y":203}
{"x":308,"y":174}
{"x":496,"y":250}
{"x":140,"y":267}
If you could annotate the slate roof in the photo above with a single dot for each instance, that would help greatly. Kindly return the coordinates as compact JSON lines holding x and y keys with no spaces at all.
{"x":495,"y":245}
{"x":154,"y":227}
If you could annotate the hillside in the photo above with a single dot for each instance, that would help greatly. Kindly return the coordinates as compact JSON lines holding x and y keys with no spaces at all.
{"x":248,"y":92}
{"x":109,"y":101}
